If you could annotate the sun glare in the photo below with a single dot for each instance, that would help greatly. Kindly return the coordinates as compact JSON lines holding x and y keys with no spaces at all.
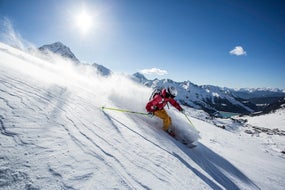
{"x":84,"y":21}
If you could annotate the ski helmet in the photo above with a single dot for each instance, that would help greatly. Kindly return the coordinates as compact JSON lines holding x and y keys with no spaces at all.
{"x":172,"y":91}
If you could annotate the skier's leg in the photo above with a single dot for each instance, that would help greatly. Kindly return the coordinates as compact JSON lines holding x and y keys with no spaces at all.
{"x":162,"y":114}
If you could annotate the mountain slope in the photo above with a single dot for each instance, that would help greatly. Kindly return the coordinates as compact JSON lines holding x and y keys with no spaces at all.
{"x":54,"y":135}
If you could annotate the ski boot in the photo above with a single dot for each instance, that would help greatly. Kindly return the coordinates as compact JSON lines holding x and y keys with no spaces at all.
{"x":171,"y":132}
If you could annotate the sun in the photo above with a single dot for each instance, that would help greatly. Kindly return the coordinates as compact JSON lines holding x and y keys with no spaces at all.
{"x":84,"y":21}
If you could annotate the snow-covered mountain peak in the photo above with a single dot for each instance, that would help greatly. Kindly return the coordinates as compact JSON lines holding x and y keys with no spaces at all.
{"x":102,"y":70}
{"x":139,"y":77}
{"x":60,"y":49}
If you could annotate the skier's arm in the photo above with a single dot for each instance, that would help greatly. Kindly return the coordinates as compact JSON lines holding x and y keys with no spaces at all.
{"x":151,"y":106}
{"x":175,"y":104}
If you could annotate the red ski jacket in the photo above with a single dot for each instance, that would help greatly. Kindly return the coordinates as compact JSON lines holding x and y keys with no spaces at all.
{"x":160,"y":100}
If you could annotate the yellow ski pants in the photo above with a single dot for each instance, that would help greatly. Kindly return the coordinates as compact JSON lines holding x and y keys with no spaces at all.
{"x":162,"y":114}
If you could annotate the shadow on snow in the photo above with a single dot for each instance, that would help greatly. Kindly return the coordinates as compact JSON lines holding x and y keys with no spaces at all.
{"x":216,"y":166}
{"x":212,"y":163}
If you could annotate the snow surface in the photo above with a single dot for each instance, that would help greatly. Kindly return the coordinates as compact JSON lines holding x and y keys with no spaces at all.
{"x":271,"y":120}
{"x":54,"y":135}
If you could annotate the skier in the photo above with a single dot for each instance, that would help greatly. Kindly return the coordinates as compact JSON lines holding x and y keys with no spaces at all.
{"x":156,"y":106}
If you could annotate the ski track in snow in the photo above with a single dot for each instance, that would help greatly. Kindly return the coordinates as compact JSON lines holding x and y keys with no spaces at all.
{"x":57,"y":137}
{"x":55,"y":99}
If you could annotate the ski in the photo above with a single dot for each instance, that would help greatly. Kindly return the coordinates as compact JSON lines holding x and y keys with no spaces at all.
{"x":183,"y":141}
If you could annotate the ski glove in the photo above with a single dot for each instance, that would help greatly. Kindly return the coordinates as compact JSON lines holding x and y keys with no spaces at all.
{"x":154,"y":108}
{"x":182,"y":111}
{"x":150,"y":114}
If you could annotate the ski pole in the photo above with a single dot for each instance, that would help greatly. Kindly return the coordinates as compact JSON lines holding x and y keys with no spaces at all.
{"x":188,"y":119}
{"x":122,"y":110}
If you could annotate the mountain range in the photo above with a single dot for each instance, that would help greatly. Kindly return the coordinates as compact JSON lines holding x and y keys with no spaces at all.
{"x":220,"y":101}
{"x":216,"y":101}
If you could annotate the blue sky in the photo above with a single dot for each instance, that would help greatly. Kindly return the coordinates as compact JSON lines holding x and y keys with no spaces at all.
{"x":229,"y":43}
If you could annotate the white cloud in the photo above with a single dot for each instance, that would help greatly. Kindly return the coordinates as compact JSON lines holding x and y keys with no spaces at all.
{"x":238,"y":50}
{"x":154,"y":71}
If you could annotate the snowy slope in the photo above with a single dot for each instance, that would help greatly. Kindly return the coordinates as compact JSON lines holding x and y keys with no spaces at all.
{"x":54,"y":135}
{"x":271,"y":120}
